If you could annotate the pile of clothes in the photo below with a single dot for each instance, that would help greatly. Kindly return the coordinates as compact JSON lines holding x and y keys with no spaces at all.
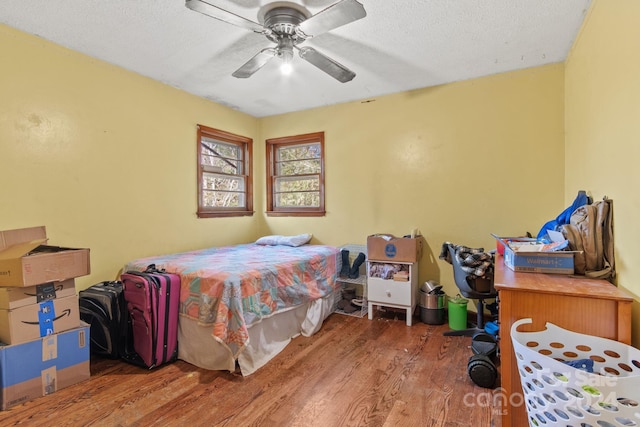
{"x":472,"y":260}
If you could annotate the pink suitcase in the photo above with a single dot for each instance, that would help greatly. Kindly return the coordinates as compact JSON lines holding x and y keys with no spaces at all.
{"x":152,"y":299}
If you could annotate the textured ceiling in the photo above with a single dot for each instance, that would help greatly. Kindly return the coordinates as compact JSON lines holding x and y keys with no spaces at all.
{"x":400,"y":45}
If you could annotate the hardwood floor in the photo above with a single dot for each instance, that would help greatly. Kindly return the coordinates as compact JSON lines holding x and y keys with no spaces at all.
{"x":353,"y":372}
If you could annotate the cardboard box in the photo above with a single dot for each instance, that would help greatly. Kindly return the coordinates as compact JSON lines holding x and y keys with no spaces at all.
{"x":388,"y":248}
{"x":26,"y":261}
{"x":560,"y":262}
{"x":555,"y":262}
{"x":12,"y":297}
{"x":501,"y":241}
{"x":401,"y":276}
{"x":43,"y":366}
{"x":38,"y":320}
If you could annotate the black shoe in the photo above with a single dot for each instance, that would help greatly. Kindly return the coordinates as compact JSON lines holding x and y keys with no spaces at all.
{"x":355,"y":268}
{"x":344,"y":271}
{"x":348,"y":293}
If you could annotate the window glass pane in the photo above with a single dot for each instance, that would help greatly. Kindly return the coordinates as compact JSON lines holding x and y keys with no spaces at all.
{"x":297,"y":200}
{"x":298,"y":167}
{"x":222,"y":190}
{"x":221,"y":157}
{"x":222,"y":199}
{"x":299,"y":151}
{"x":298,"y":159}
{"x":310,"y":183}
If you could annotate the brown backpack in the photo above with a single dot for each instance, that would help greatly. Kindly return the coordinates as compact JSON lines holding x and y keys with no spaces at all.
{"x":590,"y":234}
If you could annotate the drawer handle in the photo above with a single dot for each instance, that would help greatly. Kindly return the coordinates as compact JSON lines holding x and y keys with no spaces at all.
{"x":388,"y":293}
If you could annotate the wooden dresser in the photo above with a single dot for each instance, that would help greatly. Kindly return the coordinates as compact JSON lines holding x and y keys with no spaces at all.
{"x":588,"y":306}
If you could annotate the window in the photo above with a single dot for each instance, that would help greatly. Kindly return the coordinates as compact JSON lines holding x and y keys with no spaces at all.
{"x":295,"y":175}
{"x":224,"y":174}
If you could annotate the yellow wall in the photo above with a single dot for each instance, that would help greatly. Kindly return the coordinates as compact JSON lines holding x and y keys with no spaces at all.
{"x":602,"y":122}
{"x":104,"y":158}
{"x":458,"y":162}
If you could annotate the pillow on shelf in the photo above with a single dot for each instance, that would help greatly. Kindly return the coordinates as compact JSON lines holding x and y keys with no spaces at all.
{"x":297,"y":240}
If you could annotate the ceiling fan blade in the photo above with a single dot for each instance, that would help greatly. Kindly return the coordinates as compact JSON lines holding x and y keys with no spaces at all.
{"x":334,"y":16}
{"x":326,"y":64}
{"x":255,"y":63}
{"x":224,"y":15}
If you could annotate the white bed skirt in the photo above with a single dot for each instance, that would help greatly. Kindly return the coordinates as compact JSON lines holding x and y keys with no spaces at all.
{"x":197,"y":346}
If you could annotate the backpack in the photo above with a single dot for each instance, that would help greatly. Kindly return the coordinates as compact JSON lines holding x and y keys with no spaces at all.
{"x":590,"y":234}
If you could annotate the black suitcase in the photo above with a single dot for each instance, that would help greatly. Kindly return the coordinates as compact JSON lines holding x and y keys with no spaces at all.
{"x":103,"y":307}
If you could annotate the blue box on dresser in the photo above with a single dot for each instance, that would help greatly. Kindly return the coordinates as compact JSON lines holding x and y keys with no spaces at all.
{"x":560,"y":262}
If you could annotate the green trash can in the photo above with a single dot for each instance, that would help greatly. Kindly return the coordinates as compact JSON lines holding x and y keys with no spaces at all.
{"x":458,"y":312}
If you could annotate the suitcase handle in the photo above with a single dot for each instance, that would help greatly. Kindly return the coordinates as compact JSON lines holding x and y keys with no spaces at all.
{"x":112,"y":283}
{"x":151,"y":268}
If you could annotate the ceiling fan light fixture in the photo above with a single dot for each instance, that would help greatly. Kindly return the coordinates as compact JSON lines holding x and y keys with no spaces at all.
{"x":285,"y":52}
{"x":285,"y":49}
{"x":287,"y":58}
{"x":286,"y":68}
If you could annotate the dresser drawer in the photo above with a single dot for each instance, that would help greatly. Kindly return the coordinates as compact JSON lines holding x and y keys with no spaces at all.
{"x":389,"y":291}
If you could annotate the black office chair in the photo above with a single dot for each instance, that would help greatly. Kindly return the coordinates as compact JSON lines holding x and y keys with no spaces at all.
{"x":472,"y":287}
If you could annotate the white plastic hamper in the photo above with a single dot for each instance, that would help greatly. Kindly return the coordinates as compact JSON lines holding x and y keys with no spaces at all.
{"x":558,"y":394}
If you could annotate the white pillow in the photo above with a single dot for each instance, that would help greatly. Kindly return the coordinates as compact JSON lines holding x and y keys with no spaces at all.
{"x":298,"y":240}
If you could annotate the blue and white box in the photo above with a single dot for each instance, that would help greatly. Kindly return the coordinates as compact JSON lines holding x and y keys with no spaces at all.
{"x":42,"y":366}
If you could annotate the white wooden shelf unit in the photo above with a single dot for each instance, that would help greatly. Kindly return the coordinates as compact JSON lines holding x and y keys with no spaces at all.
{"x":359,"y":283}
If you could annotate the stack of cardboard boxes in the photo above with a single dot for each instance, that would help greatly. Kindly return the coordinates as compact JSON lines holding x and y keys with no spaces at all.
{"x":43,"y":345}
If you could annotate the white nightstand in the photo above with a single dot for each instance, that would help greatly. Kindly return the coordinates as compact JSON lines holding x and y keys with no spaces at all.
{"x":393,"y":293}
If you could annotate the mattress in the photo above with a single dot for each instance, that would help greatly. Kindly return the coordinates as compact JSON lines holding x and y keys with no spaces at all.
{"x":227,"y":290}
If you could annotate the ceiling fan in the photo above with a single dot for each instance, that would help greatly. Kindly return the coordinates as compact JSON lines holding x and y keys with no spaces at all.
{"x":288,"y":25}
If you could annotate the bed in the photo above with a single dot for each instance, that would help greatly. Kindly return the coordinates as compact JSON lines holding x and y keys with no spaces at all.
{"x":241,"y":305}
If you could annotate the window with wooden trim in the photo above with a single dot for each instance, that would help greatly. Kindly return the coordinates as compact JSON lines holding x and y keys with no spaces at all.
{"x":224,"y":174}
{"x":295,"y":175}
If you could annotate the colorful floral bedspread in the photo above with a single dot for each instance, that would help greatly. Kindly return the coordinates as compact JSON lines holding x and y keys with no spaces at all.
{"x":233,"y":287}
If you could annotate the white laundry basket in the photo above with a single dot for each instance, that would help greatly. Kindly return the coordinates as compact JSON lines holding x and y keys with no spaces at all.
{"x":558,"y":394}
